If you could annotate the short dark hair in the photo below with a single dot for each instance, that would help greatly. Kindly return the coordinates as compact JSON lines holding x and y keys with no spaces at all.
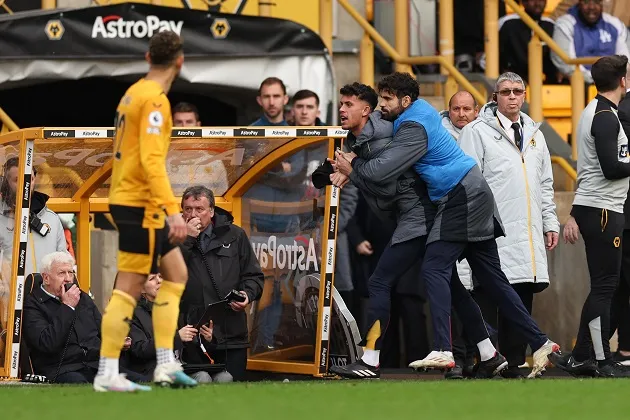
{"x":272,"y":81}
{"x":305,"y":94}
{"x":400,"y":85}
{"x":608,"y":71}
{"x":164,"y":48}
{"x":8,"y":196}
{"x":363,"y":92}
{"x":197,"y":191}
{"x":186,"y":107}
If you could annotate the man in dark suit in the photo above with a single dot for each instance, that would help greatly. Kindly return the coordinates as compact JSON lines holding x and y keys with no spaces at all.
{"x":63,"y":327}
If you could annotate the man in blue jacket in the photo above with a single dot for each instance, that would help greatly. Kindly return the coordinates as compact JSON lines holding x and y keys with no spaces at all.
{"x":466,"y":223}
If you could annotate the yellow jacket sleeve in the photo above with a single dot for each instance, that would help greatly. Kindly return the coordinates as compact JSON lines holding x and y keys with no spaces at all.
{"x":155,"y":138}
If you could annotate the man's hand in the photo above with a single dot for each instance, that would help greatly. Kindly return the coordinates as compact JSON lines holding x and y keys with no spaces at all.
{"x":338,"y":179}
{"x":206,"y":331}
{"x":240,"y":306}
{"x":551,"y":240}
{"x":187,"y":333}
{"x":127,"y":344}
{"x":193,"y":227}
{"x":571,"y":231}
{"x":342,"y":161}
{"x":71,"y":297}
{"x":365,"y":248}
{"x":177,"y":229}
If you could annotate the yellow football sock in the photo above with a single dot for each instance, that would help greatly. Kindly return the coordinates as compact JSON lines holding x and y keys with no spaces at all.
{"x":165,"y":313}
{"x":116,"y":322}
{"x":374,"y":333}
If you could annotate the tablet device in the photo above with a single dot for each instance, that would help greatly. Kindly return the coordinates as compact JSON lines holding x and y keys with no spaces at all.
{"x":213,"y":311}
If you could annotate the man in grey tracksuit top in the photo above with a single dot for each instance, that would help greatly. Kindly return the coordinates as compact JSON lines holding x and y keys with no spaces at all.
{"x":402,"y":196}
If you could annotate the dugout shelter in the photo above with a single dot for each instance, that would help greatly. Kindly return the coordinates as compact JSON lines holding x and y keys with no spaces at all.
{"x":70,"y":67}
{"x":298,"y":326}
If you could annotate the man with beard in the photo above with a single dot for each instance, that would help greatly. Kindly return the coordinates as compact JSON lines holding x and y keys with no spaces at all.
{"x":514,"y":37}
{"x":603,"y":171}
{"x":586,"y":31}
{"x":272,"y":97}
{"x":401,"y":195}
{"x":466,"y":223}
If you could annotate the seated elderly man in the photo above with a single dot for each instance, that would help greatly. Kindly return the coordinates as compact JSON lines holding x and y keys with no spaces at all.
{"x":62,"y":327}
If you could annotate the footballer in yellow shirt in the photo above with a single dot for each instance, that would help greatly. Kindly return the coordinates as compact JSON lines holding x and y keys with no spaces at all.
{"x":148,"y":219}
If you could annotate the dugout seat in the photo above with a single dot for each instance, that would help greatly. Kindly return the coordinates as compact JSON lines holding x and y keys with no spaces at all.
{"x":32,"y":282}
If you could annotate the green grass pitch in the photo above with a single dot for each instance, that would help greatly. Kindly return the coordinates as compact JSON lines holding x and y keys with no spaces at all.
{"x":598,"y":399}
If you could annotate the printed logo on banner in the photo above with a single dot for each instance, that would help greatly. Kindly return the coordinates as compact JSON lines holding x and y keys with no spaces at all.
{"x":22,"y":259}
{"x":292,"y":253}
{"x":15,"y":358}
{"x":280,"y":132}
{"x":29,"y":160}
{"x":249,"y":132}
{"x":114,"y":26}
{"x":186,"y":133}
{"x":82,"y":134}
{"x":19,"y":295}
{"x":330,"y":256}
{"x":310,"y":132}
{"x":220,"y":132}
{"x":337,"y":132}
{"x":327,"y":287}
{"x":54,"y":30}
{"x":324,"y":353}
{"x":16,"y":326}
{"x":58,"y":133}
{"x":326,"y":323}
{"x":220,"y":28}
{"x":334,"y":197}
{"x":331,"y":228}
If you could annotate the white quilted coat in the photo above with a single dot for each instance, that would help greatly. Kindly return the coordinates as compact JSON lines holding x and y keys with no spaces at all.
{"x":522,"y":185}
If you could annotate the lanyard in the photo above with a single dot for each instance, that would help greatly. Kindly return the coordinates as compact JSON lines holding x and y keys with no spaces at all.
{"x":32,"y":242}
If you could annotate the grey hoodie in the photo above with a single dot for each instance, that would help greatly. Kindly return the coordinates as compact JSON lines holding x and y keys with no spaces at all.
{"x":405,"y":199}
{"x":448,"y":124}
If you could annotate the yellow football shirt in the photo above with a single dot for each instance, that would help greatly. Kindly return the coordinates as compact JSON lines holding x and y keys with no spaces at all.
{"x":143,"y":126}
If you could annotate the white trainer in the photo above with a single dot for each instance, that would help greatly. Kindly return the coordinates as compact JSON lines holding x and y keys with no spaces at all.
{"x":117,"y":383}
{"x":540,"y":358}
{"x":172,"y":374}
{"x":435,"y":360}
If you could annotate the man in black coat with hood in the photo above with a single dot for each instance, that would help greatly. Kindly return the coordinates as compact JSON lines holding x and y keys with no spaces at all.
{"x":220,"y":258}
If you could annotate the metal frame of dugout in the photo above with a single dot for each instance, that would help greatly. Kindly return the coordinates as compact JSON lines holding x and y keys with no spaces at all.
{"x":79,"y":159}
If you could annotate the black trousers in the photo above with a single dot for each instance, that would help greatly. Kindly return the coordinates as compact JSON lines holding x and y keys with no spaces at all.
{"x":620,"y":314}
{"x":395,"y":262}
{"x":464,"y":349}
{"x":410,"y":310}
{"x":86,"y":375}
{"x":483,"y":257}
{"x":235,"y":361}
{"x":602,"y":231}
{"x":510,"y":343}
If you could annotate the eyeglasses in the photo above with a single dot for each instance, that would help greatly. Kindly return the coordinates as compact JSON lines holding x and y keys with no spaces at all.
{"x":507,"y":92}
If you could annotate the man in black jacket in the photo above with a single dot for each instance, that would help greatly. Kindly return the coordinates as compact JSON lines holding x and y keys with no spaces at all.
{"x":514,"y":37}
{"x":220,"y":258}
{"x":141,"y":355}
{"x":62,"y":327}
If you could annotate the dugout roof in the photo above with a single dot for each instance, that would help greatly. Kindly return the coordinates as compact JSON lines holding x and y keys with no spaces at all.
{"x":223,"y":52}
